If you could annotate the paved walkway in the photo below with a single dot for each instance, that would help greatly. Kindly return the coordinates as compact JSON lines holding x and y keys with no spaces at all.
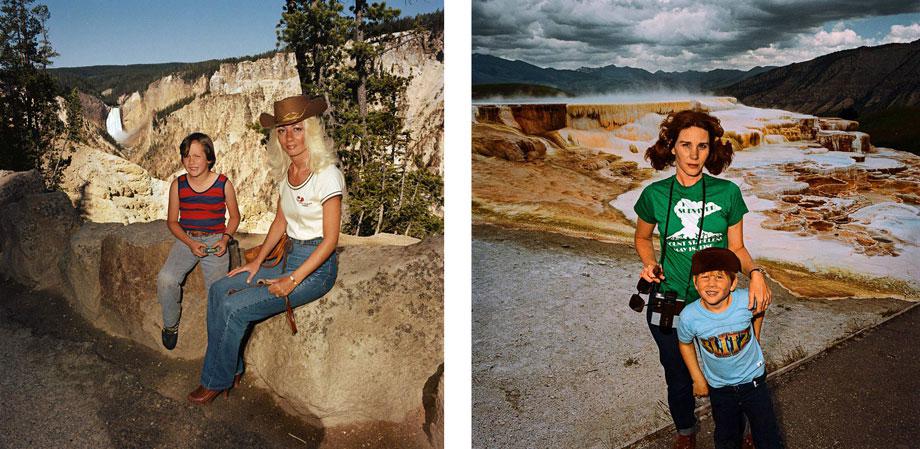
{"x":862,"y":393}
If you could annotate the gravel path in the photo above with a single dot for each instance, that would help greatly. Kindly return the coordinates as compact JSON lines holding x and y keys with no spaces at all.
{"x":66,"y":384}
{"x":559,"y":360}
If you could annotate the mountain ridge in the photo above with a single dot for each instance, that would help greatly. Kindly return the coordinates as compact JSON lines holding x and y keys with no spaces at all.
{"x":488,"y":69}
{"x":878,"y":86}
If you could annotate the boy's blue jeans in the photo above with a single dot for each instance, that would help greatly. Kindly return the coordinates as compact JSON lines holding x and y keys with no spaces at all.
{"x":680,"y":385}
{"x":233,"y":305}
{"x":180,"y":262}
{"x":731,"y":404}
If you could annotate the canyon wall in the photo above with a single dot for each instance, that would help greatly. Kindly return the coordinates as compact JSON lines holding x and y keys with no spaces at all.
{"x":226,"y":106}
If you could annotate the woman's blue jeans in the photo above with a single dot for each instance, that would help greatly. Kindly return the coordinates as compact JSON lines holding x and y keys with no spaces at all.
{"x":233,"y":305}
{"x":681,"y":402}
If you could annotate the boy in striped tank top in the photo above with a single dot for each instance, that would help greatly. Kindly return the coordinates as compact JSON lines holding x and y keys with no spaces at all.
{"x":198,"y":203}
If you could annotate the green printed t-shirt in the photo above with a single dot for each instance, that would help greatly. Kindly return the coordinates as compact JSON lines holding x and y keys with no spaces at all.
{"x":724,"y":208}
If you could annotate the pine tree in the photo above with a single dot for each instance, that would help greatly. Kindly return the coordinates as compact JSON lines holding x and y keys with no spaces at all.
{"x":28,"y":108}
{"x":74,"y":116}
{"x":314,"y":31}
{"x":387,"y":191}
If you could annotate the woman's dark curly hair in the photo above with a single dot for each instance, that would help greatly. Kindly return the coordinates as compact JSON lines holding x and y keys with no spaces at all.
{"x":720,"y":154}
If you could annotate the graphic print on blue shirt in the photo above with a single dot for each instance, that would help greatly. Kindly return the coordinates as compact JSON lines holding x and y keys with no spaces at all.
{"x":727,"y":344}
{"x":729,"y":353}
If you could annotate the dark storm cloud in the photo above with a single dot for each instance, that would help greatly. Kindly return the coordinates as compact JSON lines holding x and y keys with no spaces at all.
{"x":673,"y":35}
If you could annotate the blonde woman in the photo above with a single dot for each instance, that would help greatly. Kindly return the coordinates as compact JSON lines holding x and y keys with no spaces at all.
{"x":309,"y":212}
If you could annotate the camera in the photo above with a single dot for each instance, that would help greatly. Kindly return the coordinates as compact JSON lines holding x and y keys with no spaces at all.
{"x":663,"y":308}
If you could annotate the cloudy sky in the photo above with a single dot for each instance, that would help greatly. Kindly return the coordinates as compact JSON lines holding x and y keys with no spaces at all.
{"x":678,"y":35}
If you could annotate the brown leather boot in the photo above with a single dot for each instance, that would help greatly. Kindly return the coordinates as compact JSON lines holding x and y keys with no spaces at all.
{"x":203,"y":396}
{"x":685,"y":441}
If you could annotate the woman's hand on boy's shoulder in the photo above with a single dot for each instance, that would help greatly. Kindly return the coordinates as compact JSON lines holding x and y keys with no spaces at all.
{"x":759,"y":294}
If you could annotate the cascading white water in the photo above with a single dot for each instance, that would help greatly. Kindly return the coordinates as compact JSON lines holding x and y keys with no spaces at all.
{"x":114,"y":127}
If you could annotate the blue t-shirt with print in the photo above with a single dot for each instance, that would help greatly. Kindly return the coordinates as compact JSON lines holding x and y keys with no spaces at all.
{"x":729,"y":352}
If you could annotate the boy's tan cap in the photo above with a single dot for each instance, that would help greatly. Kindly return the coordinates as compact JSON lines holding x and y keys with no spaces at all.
{"x":714,"y":259}
{"x":292,"y":110}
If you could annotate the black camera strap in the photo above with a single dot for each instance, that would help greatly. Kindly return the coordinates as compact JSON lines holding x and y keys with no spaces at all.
{"x":667,"y":221}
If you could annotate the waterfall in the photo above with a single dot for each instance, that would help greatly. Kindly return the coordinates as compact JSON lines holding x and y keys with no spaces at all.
{"x":114,"y":127}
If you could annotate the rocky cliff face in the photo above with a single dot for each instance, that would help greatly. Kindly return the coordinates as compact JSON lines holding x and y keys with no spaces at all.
{"x":417,"y":58}
{"x":109,"y":189}
{"x":138,"y":110}
{"x":94,"y":110}
{"x":226,"y":106}
{"x":370,"y":351}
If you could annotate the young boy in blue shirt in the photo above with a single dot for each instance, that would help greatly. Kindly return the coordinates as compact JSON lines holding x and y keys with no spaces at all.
{"x":727,"y":334}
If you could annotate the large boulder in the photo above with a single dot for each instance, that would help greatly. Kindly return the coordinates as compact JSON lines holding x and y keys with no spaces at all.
{"x":365,"y":351}
{"x":506,"y":143}
{"x":129,"y":260}
{"x":433,"y":400}
{"x":16,"y":184}
{"x":109,"y":189}
{"x":34,"y":232}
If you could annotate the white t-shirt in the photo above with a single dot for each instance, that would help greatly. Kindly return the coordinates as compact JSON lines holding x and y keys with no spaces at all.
{"x":303,"y":205}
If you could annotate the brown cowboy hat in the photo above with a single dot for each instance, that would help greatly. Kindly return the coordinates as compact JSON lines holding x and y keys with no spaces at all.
{"x":292,"y":110}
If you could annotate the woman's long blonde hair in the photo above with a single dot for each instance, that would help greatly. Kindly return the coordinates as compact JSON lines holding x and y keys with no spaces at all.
{"x":320,"y":146}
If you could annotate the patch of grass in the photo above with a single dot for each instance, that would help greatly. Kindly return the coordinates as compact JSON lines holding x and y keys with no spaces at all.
{"x":797,"y":353}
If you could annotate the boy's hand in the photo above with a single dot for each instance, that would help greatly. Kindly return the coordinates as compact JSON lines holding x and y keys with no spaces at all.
{"x":700,"y":389}
{"x":198,"y":248}
{"x":221,"y":247}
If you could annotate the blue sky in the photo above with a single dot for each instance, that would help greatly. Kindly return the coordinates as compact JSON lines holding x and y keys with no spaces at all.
{"x":101,"y":32}
{"x":680,"y":35}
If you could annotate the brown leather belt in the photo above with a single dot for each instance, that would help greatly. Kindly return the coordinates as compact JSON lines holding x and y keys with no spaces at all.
{"x":200,"y":233}
{"x":290,"y":315}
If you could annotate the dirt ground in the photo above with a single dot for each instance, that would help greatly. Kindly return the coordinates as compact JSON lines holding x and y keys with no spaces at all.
{"x":559,"y":360}
{"x":65,"y":384}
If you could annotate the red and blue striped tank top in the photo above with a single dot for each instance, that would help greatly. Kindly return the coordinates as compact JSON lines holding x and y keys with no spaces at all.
{"x":202,"y":211}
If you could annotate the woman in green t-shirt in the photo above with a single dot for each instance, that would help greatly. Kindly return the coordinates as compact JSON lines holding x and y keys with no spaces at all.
{"x":692,"y":211}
